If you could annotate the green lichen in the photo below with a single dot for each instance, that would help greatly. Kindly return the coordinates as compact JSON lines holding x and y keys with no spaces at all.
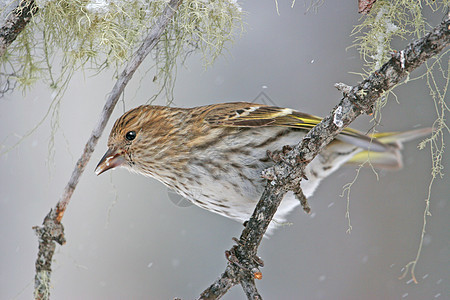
{"x":389,"y":20}
{"x":79,"y":34}
{"x":386,"y":22}
{"x":401,"y":19}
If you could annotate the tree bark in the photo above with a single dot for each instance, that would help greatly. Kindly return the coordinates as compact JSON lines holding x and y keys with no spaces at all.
{"x":15,"y":21}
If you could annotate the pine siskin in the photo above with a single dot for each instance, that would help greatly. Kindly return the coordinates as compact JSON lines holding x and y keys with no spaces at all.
{"x":213,"y":155}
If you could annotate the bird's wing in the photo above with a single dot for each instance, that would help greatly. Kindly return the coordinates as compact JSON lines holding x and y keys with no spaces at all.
{"x":242,"y":114}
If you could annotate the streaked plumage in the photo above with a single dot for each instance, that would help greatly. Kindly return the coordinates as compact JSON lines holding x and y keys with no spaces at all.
{"x":213,"y":155}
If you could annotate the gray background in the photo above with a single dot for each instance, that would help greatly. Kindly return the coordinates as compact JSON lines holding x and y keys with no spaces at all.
{"x":126,"y":239}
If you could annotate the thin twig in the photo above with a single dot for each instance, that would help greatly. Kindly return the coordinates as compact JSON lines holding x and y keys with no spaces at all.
{"x":221,"y":286}
{"x":250,"y":290}
{"x":287,"y":173}
{"x":52,"y":230}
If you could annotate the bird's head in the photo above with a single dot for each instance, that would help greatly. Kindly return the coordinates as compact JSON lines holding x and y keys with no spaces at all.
{"x":135,"y":138}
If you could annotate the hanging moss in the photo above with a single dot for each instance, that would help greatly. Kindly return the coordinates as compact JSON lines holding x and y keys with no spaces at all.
{"x":404,"y":19}
{"x":103,"y":33}
{"x":387,"y":20}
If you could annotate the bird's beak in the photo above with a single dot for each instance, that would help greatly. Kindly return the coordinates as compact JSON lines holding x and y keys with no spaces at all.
{"x":110,"y":160}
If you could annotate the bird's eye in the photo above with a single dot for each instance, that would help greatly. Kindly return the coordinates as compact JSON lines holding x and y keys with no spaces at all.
{"x":130,"y":135}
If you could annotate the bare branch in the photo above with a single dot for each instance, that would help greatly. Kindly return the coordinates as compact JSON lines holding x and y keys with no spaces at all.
{"x":364,"y":6}
{"x":250,"y":291}
{"x":52,"y":230}
{"x":221,"y":286}
{"x":15,"y":22}
{"x":287,"y":173}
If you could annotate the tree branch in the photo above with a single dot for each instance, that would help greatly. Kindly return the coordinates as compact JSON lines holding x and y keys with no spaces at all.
{"x":287,"y":174}
{"x":52,"y":230}
{"x":15,"y":22}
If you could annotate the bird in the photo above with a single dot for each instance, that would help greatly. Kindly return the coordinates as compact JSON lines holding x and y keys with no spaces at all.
{"x":214,"y":155}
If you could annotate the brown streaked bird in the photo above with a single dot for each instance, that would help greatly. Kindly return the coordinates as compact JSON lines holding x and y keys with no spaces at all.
{"x":213,"y":155}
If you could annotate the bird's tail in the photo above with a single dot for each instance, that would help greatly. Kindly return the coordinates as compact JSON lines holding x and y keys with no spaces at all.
{"x":391,"y":159}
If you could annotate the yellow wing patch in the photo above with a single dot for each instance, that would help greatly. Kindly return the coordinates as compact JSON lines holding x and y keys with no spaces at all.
{"x":241,"y":114}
